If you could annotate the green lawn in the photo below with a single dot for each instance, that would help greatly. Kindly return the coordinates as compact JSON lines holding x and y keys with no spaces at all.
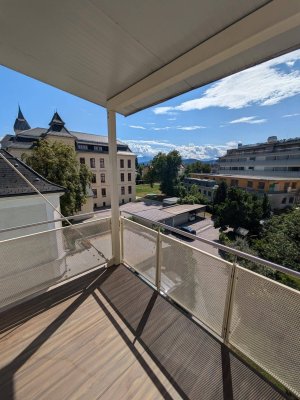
{"x":143,"y":190}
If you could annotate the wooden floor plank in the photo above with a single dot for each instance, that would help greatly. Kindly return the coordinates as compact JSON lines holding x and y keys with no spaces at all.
{"x":113,"y":338}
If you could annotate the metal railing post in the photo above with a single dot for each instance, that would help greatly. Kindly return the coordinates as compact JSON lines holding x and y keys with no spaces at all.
{"x":158,"y":261}
{"x":229,"y":303}
{"x":122,"y":238}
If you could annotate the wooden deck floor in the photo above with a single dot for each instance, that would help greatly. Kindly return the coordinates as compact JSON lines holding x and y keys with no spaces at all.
{"x":115,"y":338}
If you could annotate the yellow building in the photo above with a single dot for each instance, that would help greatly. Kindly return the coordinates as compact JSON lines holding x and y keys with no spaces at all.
{"x":91,"y":150}
{"x":282,"y":192}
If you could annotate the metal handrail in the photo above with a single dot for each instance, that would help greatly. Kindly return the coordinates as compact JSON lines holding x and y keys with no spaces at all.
{"x":77,"y":216}
{"x":61,"y":228}
{"x":219,"y":246}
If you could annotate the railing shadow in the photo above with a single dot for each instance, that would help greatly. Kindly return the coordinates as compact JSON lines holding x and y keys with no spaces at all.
{"x":196,"y":363}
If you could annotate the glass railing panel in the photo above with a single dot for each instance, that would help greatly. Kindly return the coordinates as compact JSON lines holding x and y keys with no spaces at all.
{"x":32,"y":263}
{"x":139,"y":248}
{"x":265,"y":326}
{"x":196,"y":280}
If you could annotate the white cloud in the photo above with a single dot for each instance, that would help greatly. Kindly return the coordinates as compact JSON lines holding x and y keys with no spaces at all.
{"x":199,"y":152}
{"x":290,"y":115}
{"x":262,"y":85}
{"x":190,"y":128}
{"x":172,"y":119}
{"x":137,"y":127}
{"x":179,"y":127}
{"x":248,"y":120}
{"x":150,"y":123}
{"x":164,"y":110}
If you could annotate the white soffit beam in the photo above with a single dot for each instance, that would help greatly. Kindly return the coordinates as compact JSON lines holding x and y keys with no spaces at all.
{"x":270,"y":23}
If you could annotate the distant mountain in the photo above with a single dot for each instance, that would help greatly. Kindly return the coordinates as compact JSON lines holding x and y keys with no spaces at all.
{"x":187,"y":161}
{"x":144,"y":159}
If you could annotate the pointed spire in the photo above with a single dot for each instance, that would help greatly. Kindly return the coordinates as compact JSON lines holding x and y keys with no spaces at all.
{"x":57,"y":124}
{"x":20,"y":123}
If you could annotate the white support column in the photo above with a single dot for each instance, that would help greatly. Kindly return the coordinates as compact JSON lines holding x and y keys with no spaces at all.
{"x":113,"y":165}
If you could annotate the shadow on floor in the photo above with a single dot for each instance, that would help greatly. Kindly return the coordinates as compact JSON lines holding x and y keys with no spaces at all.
{"x":198,"y":366}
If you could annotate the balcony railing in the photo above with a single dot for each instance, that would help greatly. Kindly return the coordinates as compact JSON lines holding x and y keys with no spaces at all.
{"x":33,"y":262}
{"x":254,"y":315}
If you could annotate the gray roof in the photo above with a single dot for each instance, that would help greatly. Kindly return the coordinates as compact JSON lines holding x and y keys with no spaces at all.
{"x":164,"y":213}
{"x":90,"y":137}
{"x":11,"y":184}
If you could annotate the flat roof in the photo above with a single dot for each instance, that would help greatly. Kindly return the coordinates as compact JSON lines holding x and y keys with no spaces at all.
{"x":164,"y":213}
{"x":112,"y":55}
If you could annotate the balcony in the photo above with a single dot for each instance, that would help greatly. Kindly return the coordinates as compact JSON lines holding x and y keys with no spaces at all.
{"x":170,"y":321}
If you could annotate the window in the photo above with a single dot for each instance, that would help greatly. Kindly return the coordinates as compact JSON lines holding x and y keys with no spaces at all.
{"x":234,"y":182}
{"x":261,"y":185}
{"x":129,"y":163}
{"x":94,"y":178}
{"x":82,"y":147}
{"x":129,"y":199}
{"x":129,"y":177}
{"x":103,"y":192}
{"x":95,"y":206}
{"x":104,"y":204}
{"x":123,"y":201}
{"x":94,"y":193}
{"x":129,"y":189}
{"x":204,"y":192}
{"x":122,"y":189}
{"x":97,"y":148}
{"x":291,"y":200}
{"x":92,"y":163}
{"x":294,"y":185}
{"x":252,"y":158}
{"x":249,"y":184}
{"x":102,"y":163}
{"x":122,"y":177}
{"x":283,"y":200}
{"x":82,"y":160}
{"x":102,"y":178}
{"x":121,"y":163}
{"x":209,"y":194}
{"x":286,"y":186}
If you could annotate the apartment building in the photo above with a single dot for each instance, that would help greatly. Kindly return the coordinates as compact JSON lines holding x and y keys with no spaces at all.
{"x":282,"y":192}
{"x":207,"y":187}
{"x":278,"y":158}
{"x":91,"y":150}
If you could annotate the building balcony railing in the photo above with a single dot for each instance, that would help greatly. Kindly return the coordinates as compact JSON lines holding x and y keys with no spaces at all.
{"x":262,"y":173}
{"x":254,"y":316}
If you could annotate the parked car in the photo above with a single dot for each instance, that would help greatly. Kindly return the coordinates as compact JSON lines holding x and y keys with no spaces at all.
{"x":188,"y":229}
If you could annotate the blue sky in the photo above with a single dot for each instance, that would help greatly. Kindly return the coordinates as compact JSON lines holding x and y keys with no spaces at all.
{"x":246,"y":107}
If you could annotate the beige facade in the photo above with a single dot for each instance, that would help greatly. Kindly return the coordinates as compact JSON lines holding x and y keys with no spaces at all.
{"x":101,"y":186}
{"x":99,"y":165}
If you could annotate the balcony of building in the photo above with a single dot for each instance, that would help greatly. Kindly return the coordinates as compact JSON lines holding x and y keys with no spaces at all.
{"x":109,"y":308}
{"x":171,"y":321}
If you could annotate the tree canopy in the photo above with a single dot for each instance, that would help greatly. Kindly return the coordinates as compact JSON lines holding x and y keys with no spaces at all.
{"x":240,"y":209}
{"x":197,"y":166}
{"x":58,"y":163}
{"x":221,"y":193}
{"x":280,"y":239}
{"x":164,"y":169}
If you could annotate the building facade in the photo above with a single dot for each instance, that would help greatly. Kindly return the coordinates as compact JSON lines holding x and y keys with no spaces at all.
{"x":282,"y":192}
{"x":278,"y":158}
{"x":207,"y":187}
{"x":91,"y":150}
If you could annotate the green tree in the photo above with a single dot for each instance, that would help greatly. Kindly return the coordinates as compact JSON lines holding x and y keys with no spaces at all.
{"x":240,"y":209}
{"x":58,"y":163}
{"x":164,"y":169}
{"x":266,"y":206}
{"x":280,"y":239}
{"x":197,"y":167}
{"x":221,"y":193}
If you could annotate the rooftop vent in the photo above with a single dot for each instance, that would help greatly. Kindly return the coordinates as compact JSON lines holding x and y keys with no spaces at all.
{"x":272,"y":139}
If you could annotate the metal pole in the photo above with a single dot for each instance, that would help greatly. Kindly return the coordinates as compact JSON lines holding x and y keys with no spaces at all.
{"x":229,"y":303}
{"x":158,"y":261}
{"x":115,"y":211}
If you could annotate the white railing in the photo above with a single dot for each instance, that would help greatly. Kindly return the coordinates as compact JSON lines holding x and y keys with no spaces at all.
{"x":32,"y":263}
{"x":248,"y":312}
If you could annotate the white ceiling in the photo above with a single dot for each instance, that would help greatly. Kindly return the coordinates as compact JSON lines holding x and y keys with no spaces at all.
{"x":130,"y":54}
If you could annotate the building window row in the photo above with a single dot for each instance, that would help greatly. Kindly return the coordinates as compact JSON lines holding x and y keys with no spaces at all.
{"x":123,"y":177}
{"x":123,"y":190}
{"x":122,"y":163}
